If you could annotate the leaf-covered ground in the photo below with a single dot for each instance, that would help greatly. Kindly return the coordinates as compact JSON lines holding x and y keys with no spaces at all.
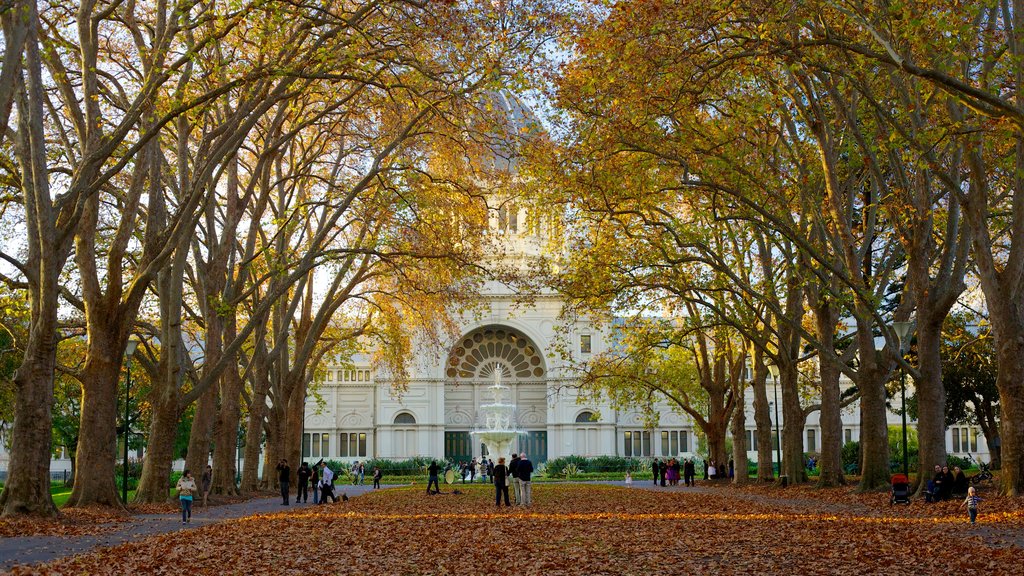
{"x":572,"y":529}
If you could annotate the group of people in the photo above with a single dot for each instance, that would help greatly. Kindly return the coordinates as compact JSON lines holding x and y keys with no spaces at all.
{"x":669,"y":472}
{"x":320,"y":478}
{"x":945,"y":484}
{"x":517,"y":474}
{"x":484,"y":468}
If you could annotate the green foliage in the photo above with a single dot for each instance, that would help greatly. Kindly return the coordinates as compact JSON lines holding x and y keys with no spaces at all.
{"x":851,"y":457}
{"x":411,"y":467}
{"x":896,"y":447}
{"x":581,"y":465}
{"x":963,"y":462}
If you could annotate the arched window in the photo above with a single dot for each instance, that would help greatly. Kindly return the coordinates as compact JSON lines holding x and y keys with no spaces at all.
{"x":585,"y":417}
{"x":405,"y":418}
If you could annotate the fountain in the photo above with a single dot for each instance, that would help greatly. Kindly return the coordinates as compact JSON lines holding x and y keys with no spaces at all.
{"x":498,"y":428}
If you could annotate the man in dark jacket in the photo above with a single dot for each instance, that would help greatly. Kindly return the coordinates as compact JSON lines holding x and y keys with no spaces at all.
{"x":688,"y":472}
{"x":513,"y":469}
{"x":284,"y":475}
{"x":654,"y":471}
{"x":525,"y":472}
{"x":302,"y":494}
{"x":662,"y":472}
{"x":432,"y":477}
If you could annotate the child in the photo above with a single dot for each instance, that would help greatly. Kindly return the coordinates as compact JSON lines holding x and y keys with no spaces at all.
{"x":972,"y":503}
{"x":629,"y":480}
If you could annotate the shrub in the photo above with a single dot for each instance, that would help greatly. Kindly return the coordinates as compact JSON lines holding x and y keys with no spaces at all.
{"x":851,"y":457}
{"x":963,"y":462}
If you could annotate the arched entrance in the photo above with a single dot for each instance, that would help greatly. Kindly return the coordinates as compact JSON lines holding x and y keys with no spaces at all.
{"x":470,"y":369}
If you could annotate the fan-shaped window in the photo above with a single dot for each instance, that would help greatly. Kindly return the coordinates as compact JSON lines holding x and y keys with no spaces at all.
{"x":475,"y":355}
{"x":585,"y":417}
{"x":405,"y":418}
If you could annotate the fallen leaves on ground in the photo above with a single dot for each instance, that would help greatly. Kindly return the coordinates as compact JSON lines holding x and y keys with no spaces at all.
{"x":70,"y":522}
{"x":571,"y":529}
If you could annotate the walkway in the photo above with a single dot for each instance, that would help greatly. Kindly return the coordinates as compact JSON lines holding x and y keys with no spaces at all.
{"x":36,"y":549}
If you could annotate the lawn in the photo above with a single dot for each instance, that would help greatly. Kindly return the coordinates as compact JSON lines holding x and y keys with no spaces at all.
{"x":583,"y":529}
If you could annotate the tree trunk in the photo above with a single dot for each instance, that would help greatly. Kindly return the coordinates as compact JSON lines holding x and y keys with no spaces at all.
{"x":254,"y":431}
{"x":97,"y":445}
{"x":226,"y":442}
{"x":27,"y":490}
{"x":201,"y":435}
{"x":874,"y":429}
{"x":156,"y":470}
{"x":739,"y":436}
{"x":1010,"y":382}
{"x":830,"y":418}
{"x":763,"y":420}
{"x":793,"y":422}
{"x":931,"y":399}
{"x":275,"y":447}
{"x":166,"y":392}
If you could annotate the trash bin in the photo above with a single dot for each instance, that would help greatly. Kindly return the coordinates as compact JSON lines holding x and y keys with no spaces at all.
{"x":785,"y":480}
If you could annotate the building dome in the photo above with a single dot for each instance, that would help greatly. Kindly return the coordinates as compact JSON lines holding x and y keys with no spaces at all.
{"x":508,"y":123}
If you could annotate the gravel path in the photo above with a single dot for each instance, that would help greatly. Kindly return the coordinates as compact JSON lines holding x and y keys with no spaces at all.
{"x":37,"y":549}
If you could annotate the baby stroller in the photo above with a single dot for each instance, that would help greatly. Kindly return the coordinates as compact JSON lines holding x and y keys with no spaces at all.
{"x":900,"y":491}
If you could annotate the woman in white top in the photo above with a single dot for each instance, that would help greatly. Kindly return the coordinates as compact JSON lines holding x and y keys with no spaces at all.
{"x":187,"y":489}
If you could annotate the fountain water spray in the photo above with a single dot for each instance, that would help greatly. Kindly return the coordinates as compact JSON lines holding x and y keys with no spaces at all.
{"x":498,"y":429}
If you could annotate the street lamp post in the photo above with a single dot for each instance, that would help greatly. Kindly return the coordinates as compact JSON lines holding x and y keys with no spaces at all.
{"x":129,"y":351}
{"x":903,"y":330}
{"x":775,"y":390}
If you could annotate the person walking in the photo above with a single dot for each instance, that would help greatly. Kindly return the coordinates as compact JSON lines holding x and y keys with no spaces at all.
{"x":187,"y":489}
{"x":513,"y":469}
{"x":206,"y":482}
{"x":377,"y":475}
{"x":654,"y":471}
{"x":302,"y":494}
{"x":500,"y":477}
{"x":525,"y":470}
{"x":432,"y":478}
{"x":284,"y":474}
{"x":972,"y":503}
{"x":362,"y":472}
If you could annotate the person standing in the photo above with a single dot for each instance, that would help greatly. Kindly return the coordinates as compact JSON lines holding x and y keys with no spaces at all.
{"x":206,"y":482}
{"x":362,"y":472}
{"x":326,"y":484}
{"x":186,"y":491}
{"x":689,"y":472}
{"x":662,"y":472}
{"x":654,"y":471}
{"x":732,"y":468}
{"x":377,"y":475}
{"x":500,"y":478}
{"x":314,"y":479}
{"x":705,"y":469}
{"x":432,"y":477}
{"x":525,"y":470}
{"x":513,"y":469}
{"x":284,"y":474}
{"x":472,"y":470}
{"x":302,"y":494}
